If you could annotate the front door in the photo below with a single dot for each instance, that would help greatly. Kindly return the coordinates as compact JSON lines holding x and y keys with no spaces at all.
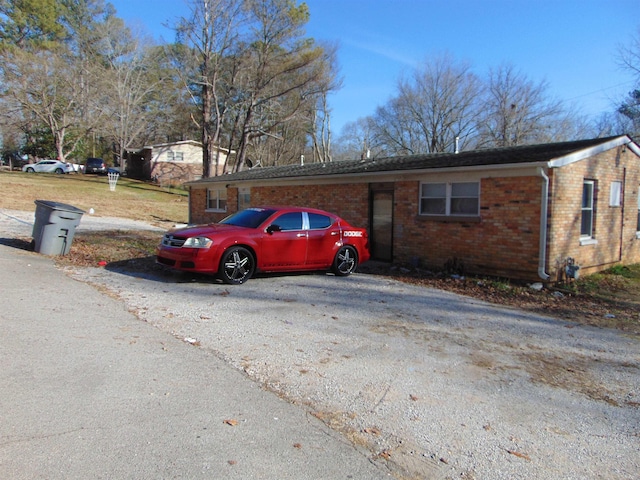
{"x":286,"y":247}
{"x":381,"y":240}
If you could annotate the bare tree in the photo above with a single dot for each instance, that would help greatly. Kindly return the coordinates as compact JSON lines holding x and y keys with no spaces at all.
{"x":435,"y":109}
{"x":45,"y":87}
{"x":518,"y":111}
{"x":211,"y":34}
{"x":52,"y":78}
{"x":358,"y":140}
{"x":129,"y":83}
{"x":284,"y":72}
{"x":629,"y":107}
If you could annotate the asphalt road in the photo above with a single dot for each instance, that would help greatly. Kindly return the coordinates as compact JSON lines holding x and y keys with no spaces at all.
{"x":90,"y":391}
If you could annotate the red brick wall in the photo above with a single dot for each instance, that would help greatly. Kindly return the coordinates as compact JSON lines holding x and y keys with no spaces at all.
{"x":503,"y":241}
{"x":614,"y":227}
{"x":347,"y":201}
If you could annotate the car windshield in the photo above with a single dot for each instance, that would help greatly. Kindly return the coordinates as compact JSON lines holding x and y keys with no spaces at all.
{"x":250,"y":218}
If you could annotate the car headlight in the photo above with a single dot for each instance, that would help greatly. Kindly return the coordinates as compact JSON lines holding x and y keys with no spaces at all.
{"x":198,"y":242}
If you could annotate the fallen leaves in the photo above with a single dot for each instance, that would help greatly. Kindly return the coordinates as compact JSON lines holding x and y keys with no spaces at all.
{"x":231,"y":422}
{"x":519,"y":455}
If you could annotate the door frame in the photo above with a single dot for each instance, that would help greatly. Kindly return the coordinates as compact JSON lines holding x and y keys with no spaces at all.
{"x":375,"y":188}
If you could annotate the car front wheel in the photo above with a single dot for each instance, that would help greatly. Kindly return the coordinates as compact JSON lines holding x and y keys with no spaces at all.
{"x":237,"y":266}
{"x":59,"y":171}
{"x":345,"y":262}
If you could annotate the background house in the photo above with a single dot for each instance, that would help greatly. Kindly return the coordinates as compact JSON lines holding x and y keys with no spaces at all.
{"x":170,"y":163}
{"x":525,"y":212}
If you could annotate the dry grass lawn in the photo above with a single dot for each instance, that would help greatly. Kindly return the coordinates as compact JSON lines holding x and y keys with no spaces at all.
{"x":131,"y":199}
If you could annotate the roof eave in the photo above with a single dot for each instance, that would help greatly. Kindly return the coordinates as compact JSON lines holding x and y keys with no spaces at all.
{"x":371,"y":175}
{"x":591,"y":151}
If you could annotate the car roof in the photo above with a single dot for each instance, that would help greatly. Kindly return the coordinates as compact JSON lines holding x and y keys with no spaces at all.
{"x":291,"y":208}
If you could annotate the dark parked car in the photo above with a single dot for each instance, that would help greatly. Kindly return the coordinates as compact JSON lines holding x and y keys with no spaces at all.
{"x":267,"y":239}
{"x":95,"y":165}
{"x":14,"y":160}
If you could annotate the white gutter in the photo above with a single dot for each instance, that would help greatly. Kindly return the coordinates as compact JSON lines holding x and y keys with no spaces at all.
{"x":542,"y":262}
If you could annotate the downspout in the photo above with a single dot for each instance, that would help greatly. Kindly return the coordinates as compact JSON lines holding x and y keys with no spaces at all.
{"x":542,"y":259}
{"x":189,"y":197}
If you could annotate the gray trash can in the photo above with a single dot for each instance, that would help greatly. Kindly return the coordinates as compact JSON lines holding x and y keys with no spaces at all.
{"x":54,"y":227}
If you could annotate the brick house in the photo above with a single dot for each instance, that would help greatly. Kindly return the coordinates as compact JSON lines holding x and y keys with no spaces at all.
{"x":170,"y":163}
{"x":525,"y":212}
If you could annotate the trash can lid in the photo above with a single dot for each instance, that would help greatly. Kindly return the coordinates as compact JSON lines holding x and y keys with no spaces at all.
{"x":58,"y":206}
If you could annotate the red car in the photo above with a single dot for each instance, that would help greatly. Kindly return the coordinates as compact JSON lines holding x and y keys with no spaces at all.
{"x":266,"y":239}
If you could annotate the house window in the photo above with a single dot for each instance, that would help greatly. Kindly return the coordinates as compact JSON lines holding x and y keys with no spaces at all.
{"x":450,"y":199}
{"x":244,"y":198}
{"x":615,"y":194}
{"x":638,"y":222}
{"x":586,"y":225}
{"x":217,"y":199}
{"x":175,"y":156}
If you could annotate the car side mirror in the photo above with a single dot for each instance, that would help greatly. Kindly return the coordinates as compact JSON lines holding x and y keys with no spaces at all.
{"x":273,"y":228}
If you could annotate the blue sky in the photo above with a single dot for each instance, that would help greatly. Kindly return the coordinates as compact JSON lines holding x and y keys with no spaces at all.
{"x":570,"y":44}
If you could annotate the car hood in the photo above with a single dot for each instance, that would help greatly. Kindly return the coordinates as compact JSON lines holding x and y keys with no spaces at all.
{"x":213,"y":229}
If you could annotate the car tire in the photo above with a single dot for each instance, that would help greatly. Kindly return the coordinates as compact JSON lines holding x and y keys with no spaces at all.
{"x":237,"y":266}
{"x":345,"y":262}
{"x":59,"y":171}
{"x":30,"y":170}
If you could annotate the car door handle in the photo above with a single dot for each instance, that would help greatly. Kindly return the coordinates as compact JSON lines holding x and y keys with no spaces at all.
{"x":335,"y":233}
{"x":301,"y":235}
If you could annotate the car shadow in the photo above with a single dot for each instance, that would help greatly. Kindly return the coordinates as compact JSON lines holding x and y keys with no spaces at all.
{"x":146,"y":268}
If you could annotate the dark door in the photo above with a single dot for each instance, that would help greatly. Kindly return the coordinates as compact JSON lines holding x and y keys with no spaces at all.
{"x":381,"y":241}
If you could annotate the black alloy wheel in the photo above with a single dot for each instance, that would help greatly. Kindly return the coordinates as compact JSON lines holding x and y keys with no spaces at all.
{"x":237,"y":266}
{"x":346,"y":261}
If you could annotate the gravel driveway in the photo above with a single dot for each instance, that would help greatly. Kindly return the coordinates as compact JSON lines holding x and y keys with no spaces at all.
{"x":435,"y":384}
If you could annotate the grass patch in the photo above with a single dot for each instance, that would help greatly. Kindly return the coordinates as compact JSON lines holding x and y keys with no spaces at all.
{"x":132,"y":199}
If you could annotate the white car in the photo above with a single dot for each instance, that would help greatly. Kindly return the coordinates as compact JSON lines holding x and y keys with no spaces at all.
{"x":48,"y":166}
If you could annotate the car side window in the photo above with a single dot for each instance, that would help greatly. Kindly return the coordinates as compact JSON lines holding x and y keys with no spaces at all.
{"x":318,"y":221}
{"x":289,"y":221}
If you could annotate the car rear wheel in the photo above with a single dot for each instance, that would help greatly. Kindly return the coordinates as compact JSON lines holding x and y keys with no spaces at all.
{"x":237,"y":266}
{"x":30,"y":170}
{"x":345,"y":262}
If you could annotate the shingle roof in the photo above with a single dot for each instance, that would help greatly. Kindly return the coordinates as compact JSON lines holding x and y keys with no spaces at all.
{"x":487,"y":157}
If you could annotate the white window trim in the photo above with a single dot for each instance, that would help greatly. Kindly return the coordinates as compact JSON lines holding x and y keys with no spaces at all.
{"x":589,"y":239}
{"x":216,"y":209}
{"x":615,"y":194}
{"x":638,"y":226}
{"x":448,"y":187}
